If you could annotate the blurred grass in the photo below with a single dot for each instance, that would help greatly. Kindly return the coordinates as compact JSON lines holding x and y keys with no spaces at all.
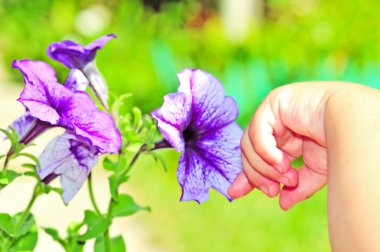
{"x":254,"y":223}
{"x":296,"y":40}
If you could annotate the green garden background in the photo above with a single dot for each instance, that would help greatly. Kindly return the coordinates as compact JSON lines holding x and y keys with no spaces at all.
{"x":252,"y":46}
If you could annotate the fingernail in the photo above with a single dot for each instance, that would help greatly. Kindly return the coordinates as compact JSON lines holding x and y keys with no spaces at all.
{"x":265,"y":190}
{"x":284,"y":180}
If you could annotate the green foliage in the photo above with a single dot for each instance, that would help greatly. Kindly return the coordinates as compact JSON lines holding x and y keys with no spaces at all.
{"x":7,"y":177}
{"x":18,"y":233}
{"x":117,"y":244}
{"x":125,"y":206}
{"x":16,"y":150}
{"x":96,"y":225}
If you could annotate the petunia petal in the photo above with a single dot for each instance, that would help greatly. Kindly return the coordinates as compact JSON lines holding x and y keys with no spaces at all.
{"x":74,"y":55}
{"x":83,"y":117}
{"x":214,"y":162}
{"x":70,"y":158}
{"x":172,"y":118}
{"x":100,"y":42}
{"x":42,"y":95}
{"x":192,"y":176}
{"x":221,"y":149}
{"x":210,"y":109}
{"x":76,"y":81}
{"x":97,"y":82}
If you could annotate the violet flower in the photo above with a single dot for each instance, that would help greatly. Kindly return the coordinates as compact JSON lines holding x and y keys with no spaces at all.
{"x":76,"y":56}
{"x":53,"y":104}
{"x":199,"y":122}
{"x":21,"y":125}
{"x":72,"y":159}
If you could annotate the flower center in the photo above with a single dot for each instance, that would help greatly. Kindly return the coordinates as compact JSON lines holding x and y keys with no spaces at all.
{"x":190,"y":135}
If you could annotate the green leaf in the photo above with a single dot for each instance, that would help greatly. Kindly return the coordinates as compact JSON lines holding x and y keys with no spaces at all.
{"x":96,"y":225}
{"x":109,"y":165}
{"x":124,"y":102}
{"x":117,"y":244}
{"x":7,"y":177}
{"x":114,"y":186}
{"x":137,"y":118}
{"x":30,"y":174}
{"x":29,"y":166}
{"x":26,"y":242}
{"x":57,"y":190}
{"x":9,"y":136}
{"x":55,"y":235}
{"x":135,"y":147}
{"x":125,"y":206}
{"x":28,"y":224}
{"x":15,"y":134}
{"x":6,"y":224}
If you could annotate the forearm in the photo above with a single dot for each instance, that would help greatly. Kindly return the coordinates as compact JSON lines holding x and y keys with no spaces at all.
{"x":352,"y":125}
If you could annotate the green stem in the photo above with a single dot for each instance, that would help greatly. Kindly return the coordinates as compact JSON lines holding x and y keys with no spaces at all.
{"x":159,"y":145}
{"x":7,"y":158}
{"x":134,"y":159}
{"x":107,"y":240}
{"x":27,"y":210}
{"x":92,"y":197}
{"x":5,"y":167}
{"x":106,"y":235}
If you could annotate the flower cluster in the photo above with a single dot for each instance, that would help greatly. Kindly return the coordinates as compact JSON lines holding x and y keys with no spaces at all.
{"x":198,"y":121}
{"x":89,"y":131}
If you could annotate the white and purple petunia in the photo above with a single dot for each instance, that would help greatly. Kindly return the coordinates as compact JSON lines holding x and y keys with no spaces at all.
{"x":76,"y":56}
{"x":72,"y":159}
{"x":199,"y":122}
{"x":56,"y":105}
{"x":89,"y":131}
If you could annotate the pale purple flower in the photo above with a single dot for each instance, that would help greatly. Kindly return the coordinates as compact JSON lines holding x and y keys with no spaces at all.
{"x":199,"y":122}
{"x":56,"y":105}
{"x":72,"y":159}
{"x":76,"y":56}
{"x":21,"y":125}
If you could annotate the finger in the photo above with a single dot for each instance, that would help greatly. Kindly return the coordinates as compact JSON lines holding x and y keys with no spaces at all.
{"x":309,"y":183}
{"x":267,"y":186}
{"x":260,"y":132}
{"x":289,"y":178}
{"x":240,"y":187}
{"x":290,"y":143}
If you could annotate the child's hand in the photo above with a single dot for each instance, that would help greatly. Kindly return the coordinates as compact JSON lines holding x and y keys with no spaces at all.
{"x":289,"y":123}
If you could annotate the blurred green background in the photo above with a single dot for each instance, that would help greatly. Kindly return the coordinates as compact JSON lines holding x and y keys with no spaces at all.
{"x":252,"y":46}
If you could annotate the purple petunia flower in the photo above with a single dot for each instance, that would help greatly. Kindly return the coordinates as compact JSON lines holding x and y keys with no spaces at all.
{"x":72,"y":159}
{"x":76,"y":56}
{"x":21,"y":125}
{"x":53,"y":104}
{"x":199,"y":122}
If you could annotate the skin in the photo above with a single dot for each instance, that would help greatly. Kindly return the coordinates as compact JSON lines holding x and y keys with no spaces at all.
{"x":335,"y":126}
